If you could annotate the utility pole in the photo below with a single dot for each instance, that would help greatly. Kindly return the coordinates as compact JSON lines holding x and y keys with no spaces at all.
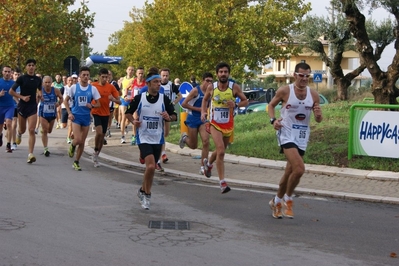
{"x":330,"y":82}
{"x":82,"y":57}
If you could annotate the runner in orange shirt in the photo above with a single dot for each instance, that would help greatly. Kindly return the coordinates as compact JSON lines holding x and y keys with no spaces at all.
{"x":108,"y":93}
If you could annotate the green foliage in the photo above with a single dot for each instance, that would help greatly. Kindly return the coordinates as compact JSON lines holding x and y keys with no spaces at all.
{"x":49,"y":33}
{"x":328,"y":145}
{"x":191,"y":37}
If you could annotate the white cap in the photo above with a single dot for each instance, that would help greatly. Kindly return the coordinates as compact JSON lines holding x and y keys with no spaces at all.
{"x":74,"y":76}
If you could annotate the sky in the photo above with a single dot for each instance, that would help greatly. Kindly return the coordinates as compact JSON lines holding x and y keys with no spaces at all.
{"x":111,"y":15}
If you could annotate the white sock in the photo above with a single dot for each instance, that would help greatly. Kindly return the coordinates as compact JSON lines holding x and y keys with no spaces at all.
{"x":277,"y":199}
{"x":287,"y":198}
{"x":163,"y":152}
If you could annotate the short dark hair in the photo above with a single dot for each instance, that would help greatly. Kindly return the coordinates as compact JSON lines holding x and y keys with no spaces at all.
{"x":303,"y":66}
{"x":84,"y":68}
{"x":222,"y":65}
{"x":17,"y":69}
{"x":103,"y":71}
{"x":164,"y":69}
{"x":153,"y":70}
{"x":29,"y":61}
{"x":207,"y":75}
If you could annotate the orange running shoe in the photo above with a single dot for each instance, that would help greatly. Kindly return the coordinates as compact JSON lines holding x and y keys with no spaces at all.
{"x":164,"y":158}
{"x":288,"y":212}
{"x":276,"y":209}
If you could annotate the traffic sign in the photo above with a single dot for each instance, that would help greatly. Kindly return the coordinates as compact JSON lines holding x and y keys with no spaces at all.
{"x":184,"y":89}
{"x":317,"y":77}
{"x":71,"y":65}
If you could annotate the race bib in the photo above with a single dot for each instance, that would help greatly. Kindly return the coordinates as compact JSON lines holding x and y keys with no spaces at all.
{"x":151,"y":125}
{"x":82,"y":100}
{"x":129,"y":94}
{"x":221,"y":115}
{"x":300,"y":133}
{"x":49,"y":108}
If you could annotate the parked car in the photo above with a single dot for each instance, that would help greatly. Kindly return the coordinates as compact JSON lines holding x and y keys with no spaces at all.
{"x":243,"y":110}
{"x":254,"y":97}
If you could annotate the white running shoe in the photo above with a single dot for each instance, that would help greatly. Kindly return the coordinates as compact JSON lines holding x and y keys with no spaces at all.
{"x":123,"y":140}
{"x":182,"y":141}
{"x":95,"y":157}
{"x":14,"y":146}
{"x":146,"y":202}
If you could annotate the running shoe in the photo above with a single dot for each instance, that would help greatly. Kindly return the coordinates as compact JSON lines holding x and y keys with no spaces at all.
{"x":126,"y":130}
{"x":71,"y":150}
{"x":224,"y":187}
{"x":158,"y":167}
{"x":140,"y":194}
{"x":133,"y":141}
{"x":31,"y":158}
{"x":14,"y":146}
{"x":8,"y":148}
{"x":19,"y":139}
{"x":76,"y":166}
{"x":1,"y":139}
{"x":108,"y":133}
{"x":105,"y":142}
{"x":202,"y":171}
{"x":46,"y":152}
{"x":276,"y":209}
{"x":123,"y":140}
{"x":58,"y":126}
{"x":287,"y":210}
{"x":146,"y":201}
{"x":36,"y":131}
{"x":95,"y":157}
{"x":164,"y":158}
{"x":69,"y":141}
{"x":207,"y":168}
{"x":182,"y":141}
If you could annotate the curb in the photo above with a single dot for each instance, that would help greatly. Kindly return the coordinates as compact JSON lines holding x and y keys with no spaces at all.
{"x":280,"y":165}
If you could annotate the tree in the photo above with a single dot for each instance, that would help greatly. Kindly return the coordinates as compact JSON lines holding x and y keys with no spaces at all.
{"x":315,"y":32}
{"x":191,"y":37}
{"x":44,"y":30}
{"x":383,"y":82}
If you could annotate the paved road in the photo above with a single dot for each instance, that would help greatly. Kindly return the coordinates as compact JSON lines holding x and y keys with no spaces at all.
{"x":344,"y":183}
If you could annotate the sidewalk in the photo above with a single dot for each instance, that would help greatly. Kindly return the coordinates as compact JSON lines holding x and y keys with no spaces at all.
{"x":344,"y":183}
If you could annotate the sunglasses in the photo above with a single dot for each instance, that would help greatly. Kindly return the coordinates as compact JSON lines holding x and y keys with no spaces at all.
{"x":301,"y":75}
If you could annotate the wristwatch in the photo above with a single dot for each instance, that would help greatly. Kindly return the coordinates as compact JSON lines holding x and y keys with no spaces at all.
{"x":272,"y":120}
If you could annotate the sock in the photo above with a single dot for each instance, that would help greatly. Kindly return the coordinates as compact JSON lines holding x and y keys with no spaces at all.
{"x":96,"y":149}
{"x":222,"y":181}
{"x":163,"y":152}
{"x":277,"y":199}
{"x":141,"y":190}
{"x":287,"y":198}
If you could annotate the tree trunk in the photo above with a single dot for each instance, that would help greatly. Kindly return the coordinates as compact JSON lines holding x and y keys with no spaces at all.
{"x":342,"y":88}
{"x":384,"y":91}
{"x":383,"y":86}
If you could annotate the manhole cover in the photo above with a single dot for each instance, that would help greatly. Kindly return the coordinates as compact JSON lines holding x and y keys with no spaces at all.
{"x":169,"y":225}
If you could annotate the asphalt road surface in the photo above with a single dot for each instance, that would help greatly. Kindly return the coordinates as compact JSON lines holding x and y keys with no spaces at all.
{"x":51,"y":214}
